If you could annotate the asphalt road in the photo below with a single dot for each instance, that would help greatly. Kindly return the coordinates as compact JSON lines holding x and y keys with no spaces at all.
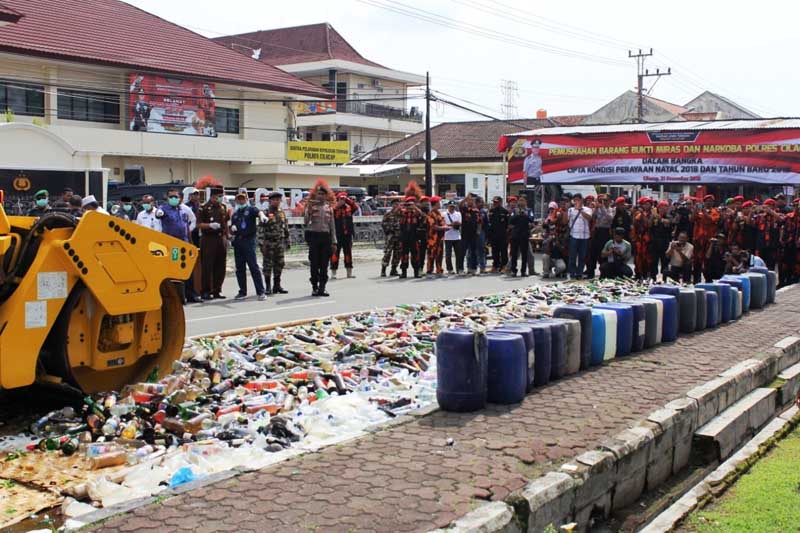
{"x":367,"y":291}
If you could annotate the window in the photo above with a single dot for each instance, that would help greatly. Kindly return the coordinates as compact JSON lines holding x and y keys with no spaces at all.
{"x":227,"y":120}
{"x":89,"y":107}
{"x":21,"y":98}
{"x":326,"y":136}
{"x":341,"y":136}
{"x":309,"y":136}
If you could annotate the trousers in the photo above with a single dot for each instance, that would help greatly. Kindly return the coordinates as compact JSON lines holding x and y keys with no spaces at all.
{"x":598,"y":240}
{"x":519,"y":249}
{"x":435,"y":252}
{"x":451,"y":247}
{"x":319,"y":253}
{"x":244,"y":255}
{"x":577,"y":256}
{"x":499,"y":252}
{"x":392,"y":249}
{"x":213,"y":257}
{"x":344,"y":243}
{"x":470,"y":245}
{"x":413,"y":250}
{"x":274,"y":258}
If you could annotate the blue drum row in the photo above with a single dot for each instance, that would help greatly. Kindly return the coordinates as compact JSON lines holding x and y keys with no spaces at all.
{"x":503,"y":364}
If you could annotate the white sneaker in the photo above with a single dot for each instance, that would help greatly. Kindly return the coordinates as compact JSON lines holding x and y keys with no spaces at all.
{"x":262,"y":297}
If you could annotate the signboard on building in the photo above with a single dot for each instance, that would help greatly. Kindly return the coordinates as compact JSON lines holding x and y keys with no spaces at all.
{"x":764,"y":156}
{"x":315,"y":108}
{"x":319,"y":151}
{"x":171,"y":105}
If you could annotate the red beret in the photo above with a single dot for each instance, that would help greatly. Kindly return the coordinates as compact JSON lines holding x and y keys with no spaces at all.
{"x":425,"y":199}
{"x":748,"y":203}
{"x":663,"y":203}
{"x":620,"y":200}
{"x":708,"y":197}
{"x":512,"y":198}
{"x":341,"y":195}
{"x":738,"y":198}
{"x":589,"y":197}
{"x":410,"y":199}
{"x":645,"y":200}
{"x":796,"y":201}
{"x":435,"y":199}
{"x":769,"y":201}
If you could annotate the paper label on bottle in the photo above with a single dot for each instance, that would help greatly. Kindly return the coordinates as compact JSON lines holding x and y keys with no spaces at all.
{"x":642,"y":328}
{"x":35,"y":315}
{"x":51,"y":285}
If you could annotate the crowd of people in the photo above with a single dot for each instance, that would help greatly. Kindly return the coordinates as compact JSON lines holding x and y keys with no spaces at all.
{"x":689,"y":240}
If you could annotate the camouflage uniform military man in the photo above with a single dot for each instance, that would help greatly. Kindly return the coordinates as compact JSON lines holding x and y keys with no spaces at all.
{"x":393,"y":247}
{"x":273,"y":239}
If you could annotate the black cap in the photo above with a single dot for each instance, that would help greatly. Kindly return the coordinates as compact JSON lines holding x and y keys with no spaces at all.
{"x":275,"y":194}
{"x":216,"y":190}
{"x":619,"y":231}
{"x":125,"y":199}
{"x":66,"y":189}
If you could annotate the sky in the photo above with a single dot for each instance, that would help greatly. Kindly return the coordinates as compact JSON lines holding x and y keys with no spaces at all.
{"x":567,"y":57}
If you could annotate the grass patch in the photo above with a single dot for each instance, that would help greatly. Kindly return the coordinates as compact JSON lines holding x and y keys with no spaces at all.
{"x":765,"y":499}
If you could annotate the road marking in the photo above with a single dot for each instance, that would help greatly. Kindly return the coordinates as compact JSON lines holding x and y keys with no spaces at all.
{"x":270,"y":310}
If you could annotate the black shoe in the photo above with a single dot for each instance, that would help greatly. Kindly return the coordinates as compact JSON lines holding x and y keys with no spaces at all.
{"x":403,"y":275}
{"x":393,"y":272}
{"x":277,"y":289}
{"x":383,"y":272}
{"x":219,"y":296}
{"x":206,"y":297}
{"x":322,"y":291}
{"x":417,"y":274}
{"x":195,"y":299}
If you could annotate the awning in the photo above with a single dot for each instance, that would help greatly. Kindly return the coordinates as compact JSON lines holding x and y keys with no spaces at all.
{"x":389,"y":170}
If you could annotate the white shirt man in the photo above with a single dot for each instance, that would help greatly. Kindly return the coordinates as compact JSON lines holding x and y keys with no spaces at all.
{"x":451,"y":218}
{"x":579,"y":226}
{"x":148,"y":219}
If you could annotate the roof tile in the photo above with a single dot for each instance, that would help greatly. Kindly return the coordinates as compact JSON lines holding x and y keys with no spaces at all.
{"x":298,"y":44}
{"x":135,"y":39}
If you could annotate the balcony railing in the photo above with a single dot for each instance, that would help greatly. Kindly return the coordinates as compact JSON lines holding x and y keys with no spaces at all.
{"x":380,"y":111}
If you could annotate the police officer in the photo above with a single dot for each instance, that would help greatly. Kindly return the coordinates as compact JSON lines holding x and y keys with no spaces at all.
{"x":273,"y":237}
{"x":244,"y":224}
{"x":214,"y":226}
{"x":41,"y":202}
{"x":393,"y":246}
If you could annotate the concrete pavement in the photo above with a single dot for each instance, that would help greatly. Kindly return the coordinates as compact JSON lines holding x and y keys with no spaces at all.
{"x":368,"y":290}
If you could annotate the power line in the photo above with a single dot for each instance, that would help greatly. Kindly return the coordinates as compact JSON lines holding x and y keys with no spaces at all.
{"x":641,"y":74}
{"x":484,"y":32}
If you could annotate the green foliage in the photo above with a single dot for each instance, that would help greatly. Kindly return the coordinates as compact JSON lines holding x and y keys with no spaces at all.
{"x":9,"y":115}
{"x":766,"y":499}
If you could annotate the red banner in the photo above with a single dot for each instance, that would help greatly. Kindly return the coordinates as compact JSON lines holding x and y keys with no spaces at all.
{"x":764,"y":156}
{"x":171,"y":105}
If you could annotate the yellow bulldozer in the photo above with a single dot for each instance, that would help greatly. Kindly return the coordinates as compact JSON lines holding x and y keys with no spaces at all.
{"x":91,"y":303}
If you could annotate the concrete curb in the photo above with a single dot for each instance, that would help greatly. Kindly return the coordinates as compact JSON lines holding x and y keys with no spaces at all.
{"x":640,"y":458}
{"x":720,"y":479}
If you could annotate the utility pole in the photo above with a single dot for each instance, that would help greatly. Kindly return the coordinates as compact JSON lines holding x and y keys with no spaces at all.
{"x":641,"y":74}
{"x":428,"y":167}
{"x":510,"y":92}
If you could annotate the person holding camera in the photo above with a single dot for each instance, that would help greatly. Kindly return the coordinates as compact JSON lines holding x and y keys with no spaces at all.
{"x":768,"y":223}
{"x":661,"y":229}
{"x":617,"y":253}
{"x":680,"y":253}
{"x":715,"y":257}
{"x":520,"y":226}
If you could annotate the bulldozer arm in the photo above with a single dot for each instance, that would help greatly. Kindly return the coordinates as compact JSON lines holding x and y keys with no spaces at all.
{"x":96,"y":302}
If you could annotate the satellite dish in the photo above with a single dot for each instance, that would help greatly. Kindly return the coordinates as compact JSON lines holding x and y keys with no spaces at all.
{"x":434,"y":154}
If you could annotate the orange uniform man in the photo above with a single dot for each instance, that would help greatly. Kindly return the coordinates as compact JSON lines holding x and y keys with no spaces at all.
{"x":436,"y":229}
{"x":640,"y":234}
{"x":706,"y":224}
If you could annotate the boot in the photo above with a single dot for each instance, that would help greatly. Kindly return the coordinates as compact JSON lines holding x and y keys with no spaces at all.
{"x":350,"y":273}
{"x":314,"y":288}
{"x":403,"y":274}
{"x":416,"y":273}
{"x":276,"y":287}
{"x":394,"y":271}
{"x":267,"y":287}
{"x":322,"y":291}
{"x":333,"y":273}
{"x":383,"y":271}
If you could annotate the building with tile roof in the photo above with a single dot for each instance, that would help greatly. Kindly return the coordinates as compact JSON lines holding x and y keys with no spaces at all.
{"x":372,"y":107}
{"x":144,"y":95}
